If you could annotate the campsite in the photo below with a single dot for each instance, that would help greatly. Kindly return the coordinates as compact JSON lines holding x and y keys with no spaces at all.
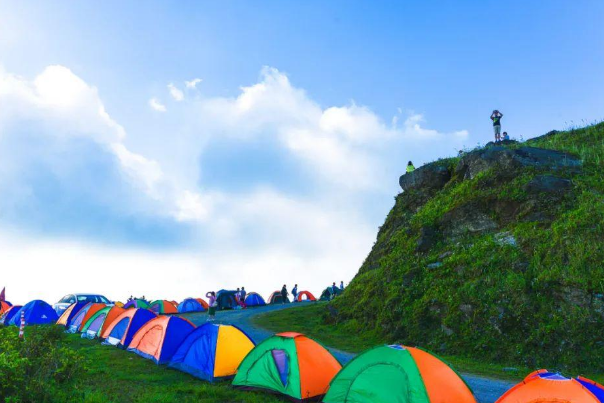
{"x":309,"y":201}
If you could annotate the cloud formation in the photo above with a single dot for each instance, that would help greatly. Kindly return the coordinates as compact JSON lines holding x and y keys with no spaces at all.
{"x":345,"y":158}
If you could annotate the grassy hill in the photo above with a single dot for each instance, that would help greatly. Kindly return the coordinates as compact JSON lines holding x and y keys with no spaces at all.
{"x":497,"y":254}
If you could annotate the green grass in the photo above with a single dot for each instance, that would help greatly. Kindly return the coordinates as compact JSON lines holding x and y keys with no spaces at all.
{"x":110,"y":374}
{"x":116,"y":375}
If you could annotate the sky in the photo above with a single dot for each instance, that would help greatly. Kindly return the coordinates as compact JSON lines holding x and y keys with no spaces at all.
{"x":166,"y":149}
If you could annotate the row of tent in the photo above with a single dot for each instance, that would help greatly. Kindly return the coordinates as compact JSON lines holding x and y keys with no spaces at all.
{"x":295,"y":365}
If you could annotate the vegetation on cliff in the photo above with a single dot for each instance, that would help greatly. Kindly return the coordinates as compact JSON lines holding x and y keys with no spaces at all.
{"x":497,"y":254}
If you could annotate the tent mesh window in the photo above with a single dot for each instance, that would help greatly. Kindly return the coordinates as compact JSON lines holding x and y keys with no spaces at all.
{"x":282,"y":363}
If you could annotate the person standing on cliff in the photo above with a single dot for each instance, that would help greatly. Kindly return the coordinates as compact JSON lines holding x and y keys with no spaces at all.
{"x":410,"y":167}
{"x":496,"y":118}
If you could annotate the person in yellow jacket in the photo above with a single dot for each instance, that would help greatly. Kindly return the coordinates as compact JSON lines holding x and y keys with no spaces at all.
{"x":410,"y":167}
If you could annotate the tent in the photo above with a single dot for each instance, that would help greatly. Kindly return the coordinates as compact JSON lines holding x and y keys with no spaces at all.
{"x":82,"y":316}
{"x":4,"y":305}
{"x":254,"y":299}
{"x":159,"y":338}
{"x":329,"y":293}
{"x":121,"y":331}
{"x":290,"y":364}
{"x":37,"y":312}
{"x":137,"y":303}
{"x":162,"y":306}
{"x":276,"y":298}
{"x":190,"y":305}
{"x":305,"y":296}
{"x":203,"y":303}
{"x":70,"y":312}
{"x":8,"y":315}
{"x":111,"y":316}
{"x":91,"y":328}
{"x":212,"y":352}
{"x":226,"y":299}
{"x":545,"y":386}
{"x":398,"y":373}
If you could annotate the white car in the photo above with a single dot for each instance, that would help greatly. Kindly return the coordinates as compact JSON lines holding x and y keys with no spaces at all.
{"x":69,"y":299}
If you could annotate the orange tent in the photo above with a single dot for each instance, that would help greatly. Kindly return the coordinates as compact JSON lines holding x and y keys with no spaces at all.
{"x":123,"y":328}
{"x":305,"y":296}
{"x":162,"y":306}
{"x":69,"y":313}
{"x":159,"y":338}
{"x":111,"y":315}
{"x":545,"y":386}
{"x":288,"y":363}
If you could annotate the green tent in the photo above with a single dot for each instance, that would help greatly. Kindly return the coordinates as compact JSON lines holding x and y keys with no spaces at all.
{"x":397,"y":374}
{"x":94,"y":323}
{"x":290,"y":364}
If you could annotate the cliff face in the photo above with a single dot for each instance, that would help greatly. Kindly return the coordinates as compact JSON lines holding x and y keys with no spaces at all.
{"x":497,"y":254}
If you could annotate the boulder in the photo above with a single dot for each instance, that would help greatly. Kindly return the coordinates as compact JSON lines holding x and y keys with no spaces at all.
{"x":548,"y":184}
{"x":428,"y":177}
{"x":507,"y":160}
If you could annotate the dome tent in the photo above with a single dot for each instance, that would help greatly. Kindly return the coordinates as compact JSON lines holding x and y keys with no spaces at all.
{"x":162,"y":307}
{"x":305,"y":296}
{"x":226,"y":299}
{"x":277,"y":298}
{"x":137,"y":303}
{"x":80,"y":318}
{"x":545,"y":386}
{"x":4,"y":306}
{"x":92,"y":328}
{"x":212,"y":351}
{"x":203,"y":303}
{"x":121,"y":331}
{"x":254,"y":299}
{"x":37,"y":312}
{"x":190,"y":305}
{"x":396,"y":373}
{"x":111,"y":316}
{"x":290,"y":364}
{"x":70,"y":312}
{"x":159,"y":338}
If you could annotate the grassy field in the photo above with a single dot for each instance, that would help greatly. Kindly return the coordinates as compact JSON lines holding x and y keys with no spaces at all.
{"x":108,"y":374}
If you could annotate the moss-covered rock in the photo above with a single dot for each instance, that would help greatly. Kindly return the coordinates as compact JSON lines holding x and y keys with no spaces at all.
{"x":497,"y":254}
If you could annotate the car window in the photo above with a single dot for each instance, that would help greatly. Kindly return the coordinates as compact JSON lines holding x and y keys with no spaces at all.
{"x":66,"y":299}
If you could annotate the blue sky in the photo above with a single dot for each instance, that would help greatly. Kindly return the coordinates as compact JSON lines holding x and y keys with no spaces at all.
{"x":284,"y":157}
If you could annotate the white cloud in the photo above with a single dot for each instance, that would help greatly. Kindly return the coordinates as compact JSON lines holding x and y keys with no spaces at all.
{"x":193,"y":83}
{"x":262,"y":236}
{"x":176,"y":94}
{"x":156,"y":105}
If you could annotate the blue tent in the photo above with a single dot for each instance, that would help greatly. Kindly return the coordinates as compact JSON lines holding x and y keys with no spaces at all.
{"x":159,"y":338}
{"x":37,"y":312}
{"x":77,"y":307}
{"x":253,"y":299}
{"x":212,"y":351}
{"x":190,"y":305}
{"x":8,"y":315}
{"x":125,"y":326}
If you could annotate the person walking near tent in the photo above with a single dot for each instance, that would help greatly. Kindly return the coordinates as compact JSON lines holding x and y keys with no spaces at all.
{"x":496,"y":118}
{"x":242,"y":293}
{"x":410,"y":167}
{"x":295,"y":292}
{"x":284,"y":294}
{"x":212,"y":304}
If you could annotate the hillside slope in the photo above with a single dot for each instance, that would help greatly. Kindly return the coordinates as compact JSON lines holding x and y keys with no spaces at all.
{"x":497,"y":254}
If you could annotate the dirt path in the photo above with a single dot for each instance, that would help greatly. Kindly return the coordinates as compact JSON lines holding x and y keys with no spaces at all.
{"x":486,"y":390}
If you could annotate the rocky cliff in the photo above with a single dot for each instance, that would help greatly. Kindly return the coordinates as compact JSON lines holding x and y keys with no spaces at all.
{"x":497,"y":254}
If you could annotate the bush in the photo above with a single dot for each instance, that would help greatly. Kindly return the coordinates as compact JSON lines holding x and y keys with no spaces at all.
{"x":38,"y":368}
